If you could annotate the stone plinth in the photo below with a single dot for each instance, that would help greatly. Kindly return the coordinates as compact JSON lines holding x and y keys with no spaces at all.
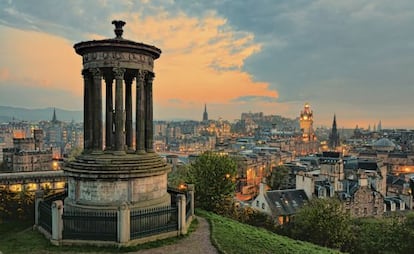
{"x":107,"y":180}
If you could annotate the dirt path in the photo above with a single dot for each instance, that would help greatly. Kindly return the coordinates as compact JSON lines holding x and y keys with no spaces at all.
{"x":197,"y":243}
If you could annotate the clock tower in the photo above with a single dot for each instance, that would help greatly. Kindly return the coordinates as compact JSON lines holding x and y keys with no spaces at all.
{"x":306,"y":123}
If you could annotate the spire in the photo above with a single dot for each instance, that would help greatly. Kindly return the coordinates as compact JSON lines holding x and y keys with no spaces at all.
{"x":205,"y":114}
{"x":334,"y":136}
{"x":54,"y":119}
{"x":334,"y":123}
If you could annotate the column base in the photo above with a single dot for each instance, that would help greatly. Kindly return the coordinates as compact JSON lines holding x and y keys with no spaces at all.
{"x":141,"y":152}
{"x":119,"y":153}
{"x":97,"y":152}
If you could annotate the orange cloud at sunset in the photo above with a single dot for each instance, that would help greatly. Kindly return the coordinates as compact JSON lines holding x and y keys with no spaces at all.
{"x":40,"y":60}
{"x":201,"y":61}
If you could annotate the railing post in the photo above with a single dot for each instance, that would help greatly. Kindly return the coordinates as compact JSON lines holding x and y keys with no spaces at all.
{"x":123,"y":223}
{"x":190,"y":188}
{"x":57,"y":222}
{"x":38,"y":198}
{"x":182,"y":229}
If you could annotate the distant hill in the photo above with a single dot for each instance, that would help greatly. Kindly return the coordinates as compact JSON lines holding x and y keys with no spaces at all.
{"x":7,"y":114}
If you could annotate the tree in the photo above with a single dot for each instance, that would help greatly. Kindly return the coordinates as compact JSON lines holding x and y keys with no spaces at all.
{"x":178,"y":176}
{"x":323,"y":222}
{"x":278,"y":178}
{"x":74,"y":152}
{"x":214,"y":178}
{"x":385,"y":235}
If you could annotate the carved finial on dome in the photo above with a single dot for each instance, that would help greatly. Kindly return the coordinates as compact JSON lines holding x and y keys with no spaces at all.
{"x":118,"y":28}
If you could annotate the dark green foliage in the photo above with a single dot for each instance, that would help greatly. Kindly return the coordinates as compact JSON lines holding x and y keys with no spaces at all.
{"x":386,"y":235}
{"x":323,"y":222}
{"x":74,"y":152}
{"x":278,"y":178}
{"x":178,"y":176}
{"x":408,"y":234}
{"x":243,"y":214}
{"x":16,"y":205}
{"x":214,"y":178}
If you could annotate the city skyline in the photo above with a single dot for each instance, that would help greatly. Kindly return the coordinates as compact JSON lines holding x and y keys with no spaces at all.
{"x":348,"y":58}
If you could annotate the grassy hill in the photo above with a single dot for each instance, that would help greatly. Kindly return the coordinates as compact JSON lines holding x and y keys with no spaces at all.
{"x":233,"y":237}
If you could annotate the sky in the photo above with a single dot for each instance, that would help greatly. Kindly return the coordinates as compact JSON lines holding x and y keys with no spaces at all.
{"x":353,"y":58}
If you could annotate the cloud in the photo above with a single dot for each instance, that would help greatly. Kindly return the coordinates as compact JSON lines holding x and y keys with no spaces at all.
{"x":352,"y":57}
{"x":201,"y":62}
{"x":248,"y":99}
{"x":36,"y":59}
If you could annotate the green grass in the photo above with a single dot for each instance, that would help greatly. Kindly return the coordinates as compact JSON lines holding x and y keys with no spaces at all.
{"x":18,"y":237}
{"x":230,"y":236}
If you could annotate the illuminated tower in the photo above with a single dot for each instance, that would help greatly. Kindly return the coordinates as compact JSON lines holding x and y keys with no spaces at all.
{"x":306,"y":123}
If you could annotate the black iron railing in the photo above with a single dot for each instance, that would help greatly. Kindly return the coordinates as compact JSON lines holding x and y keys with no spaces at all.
{"x":90,"y":225}
{"x":45,"y":216}
{"x":188,"y":209}
{"x":153,"y":221}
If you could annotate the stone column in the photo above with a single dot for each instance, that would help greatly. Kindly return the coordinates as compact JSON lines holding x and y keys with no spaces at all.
{"x":57,"y":222}
{"x":97,"y":110}
{"x":124,"y":217}
{"x":119,"y":109}
{"x":190,"y":189}
{"x":181,"y":202}
{"x":108,"y":112}
{"x":140,"y":113}
{"x":87,"y":110}
{"x":128,"y":110}
{"x":39,"y":194}
{"x":149,"y":132}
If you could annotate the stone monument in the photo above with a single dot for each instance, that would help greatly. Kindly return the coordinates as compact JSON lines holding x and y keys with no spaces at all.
{"x":118,"y":171}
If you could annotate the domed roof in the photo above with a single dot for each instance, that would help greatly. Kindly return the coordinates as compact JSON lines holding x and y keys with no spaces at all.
{"x":384,"y":144}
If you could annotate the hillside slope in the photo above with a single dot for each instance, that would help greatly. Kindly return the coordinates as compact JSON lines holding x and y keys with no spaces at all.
{"x":233,"y":237}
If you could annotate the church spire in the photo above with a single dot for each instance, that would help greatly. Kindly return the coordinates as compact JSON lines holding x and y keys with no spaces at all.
{"x":54,"y":118}
{"x":205,"y":114}
{"x":334,"y":136}
{"x":334,"y":123}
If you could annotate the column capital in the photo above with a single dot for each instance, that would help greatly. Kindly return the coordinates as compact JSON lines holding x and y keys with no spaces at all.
{"x":108,"y":76}
{"x":129,"y":77}
{"x":118,"y":72}
{"x":142,"y":74}
{"x":96,"y":73}
{"x":150,"y":77}
{"x":86,"y":73}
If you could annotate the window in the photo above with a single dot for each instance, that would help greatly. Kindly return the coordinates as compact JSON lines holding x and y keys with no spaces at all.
{"x":257,"y":203}
{"x":263,"y":206}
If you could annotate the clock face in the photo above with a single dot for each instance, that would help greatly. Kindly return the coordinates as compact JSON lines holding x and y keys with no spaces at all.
{"x":305,"y":117}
